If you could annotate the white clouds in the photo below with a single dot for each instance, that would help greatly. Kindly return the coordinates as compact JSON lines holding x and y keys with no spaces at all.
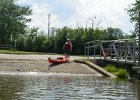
{"x":40,"y":17}
{"x":110,"y":12}
{"x":25,"y":1}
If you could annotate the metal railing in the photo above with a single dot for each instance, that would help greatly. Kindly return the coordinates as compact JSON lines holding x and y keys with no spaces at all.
{"x":120,"y":50}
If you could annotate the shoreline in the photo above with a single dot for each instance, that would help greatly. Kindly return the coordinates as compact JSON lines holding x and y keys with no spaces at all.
{"x":45,"y":74}
{"x":41,"y":65}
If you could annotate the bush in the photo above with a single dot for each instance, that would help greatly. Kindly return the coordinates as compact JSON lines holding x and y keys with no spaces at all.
{"x":111,"y":68}
{"x":121,"y":73}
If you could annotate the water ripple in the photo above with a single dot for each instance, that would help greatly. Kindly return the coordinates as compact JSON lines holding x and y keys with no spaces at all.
{"x":64,"y":87}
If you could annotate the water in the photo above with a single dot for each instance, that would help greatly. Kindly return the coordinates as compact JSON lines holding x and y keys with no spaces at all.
{"x":41,"y":86}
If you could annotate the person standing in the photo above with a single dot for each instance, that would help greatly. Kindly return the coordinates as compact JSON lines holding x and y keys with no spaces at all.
{"x":67,"y":48}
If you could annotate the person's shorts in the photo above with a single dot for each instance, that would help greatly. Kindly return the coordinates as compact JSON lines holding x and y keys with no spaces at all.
{"x":66,"y":51}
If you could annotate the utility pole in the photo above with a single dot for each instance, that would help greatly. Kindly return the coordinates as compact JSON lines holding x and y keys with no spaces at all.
{"x":49,"y":15}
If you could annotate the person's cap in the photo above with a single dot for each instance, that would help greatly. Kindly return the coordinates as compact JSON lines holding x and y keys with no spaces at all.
{"x":68,"y":39}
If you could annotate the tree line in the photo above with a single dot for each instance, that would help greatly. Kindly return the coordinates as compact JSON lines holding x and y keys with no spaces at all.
{"x":40,"y":42}
{"x":13,"y":26}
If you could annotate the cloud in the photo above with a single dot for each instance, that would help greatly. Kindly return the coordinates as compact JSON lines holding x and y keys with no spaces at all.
{"x":40,"y":17}
{"x":73,"y":13}
{"x":24,"y":2}
{"x":110,"y":12}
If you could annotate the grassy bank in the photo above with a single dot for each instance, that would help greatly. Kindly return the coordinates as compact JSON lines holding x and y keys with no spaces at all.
{"x":22,"y":52}
{"x":119,"y":72}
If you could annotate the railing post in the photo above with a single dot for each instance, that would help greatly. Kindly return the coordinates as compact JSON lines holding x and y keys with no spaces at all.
{"x":88,"y":51}
{"x":125,"y":53}
{"x":100,"y":49}
{"x":118,"y":51}
{"x":94,"y":52}
{"x":85,"y":50}
{"x":111,"y":51}
{"x":134,"y":51}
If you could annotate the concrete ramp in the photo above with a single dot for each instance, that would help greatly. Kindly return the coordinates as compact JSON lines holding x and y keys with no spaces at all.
{"x":96,"y":68}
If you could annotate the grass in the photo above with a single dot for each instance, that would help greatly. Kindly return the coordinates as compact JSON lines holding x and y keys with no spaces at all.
{"x":21,"y":52}
{"x":120,"y":73}
{"x":14,"y":52}
{"x":30,"y":53}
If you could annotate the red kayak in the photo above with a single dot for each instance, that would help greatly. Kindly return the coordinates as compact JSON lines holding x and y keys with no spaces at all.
{"x":58,"y":60}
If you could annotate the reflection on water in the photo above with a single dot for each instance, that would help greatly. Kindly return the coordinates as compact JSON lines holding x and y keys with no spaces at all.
{"x":64,"y":87}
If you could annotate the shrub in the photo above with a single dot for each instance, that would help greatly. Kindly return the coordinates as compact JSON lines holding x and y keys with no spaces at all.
{"x":111,"y":68}
{"x":121,"y":73}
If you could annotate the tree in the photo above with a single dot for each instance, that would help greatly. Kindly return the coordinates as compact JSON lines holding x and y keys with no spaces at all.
{"x":61,"y":37}
{"x":115,"y":33}
{"x":133,"y":10}
{"x":12,"y":19}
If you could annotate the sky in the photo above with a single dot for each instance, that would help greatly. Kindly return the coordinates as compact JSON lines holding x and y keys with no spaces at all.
{"x":80,"y":13}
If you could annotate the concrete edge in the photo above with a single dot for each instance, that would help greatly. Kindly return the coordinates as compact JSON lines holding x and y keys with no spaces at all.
{"x":96,"y":68}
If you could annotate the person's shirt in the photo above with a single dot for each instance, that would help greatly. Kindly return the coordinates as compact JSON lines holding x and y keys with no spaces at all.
{"x":68,"y":45}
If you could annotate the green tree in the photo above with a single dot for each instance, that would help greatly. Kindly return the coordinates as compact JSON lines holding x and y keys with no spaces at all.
{"x":61,"y":37}
{"x":114,"y":33}
{"x":38,"y":41}
{"x":133,"y":10}
{"x":12,"y":19}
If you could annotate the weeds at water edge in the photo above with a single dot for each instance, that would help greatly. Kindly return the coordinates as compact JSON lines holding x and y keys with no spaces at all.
{"x":120,"y":73}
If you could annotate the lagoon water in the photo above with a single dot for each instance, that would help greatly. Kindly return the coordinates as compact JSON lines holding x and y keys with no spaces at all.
{"x":41,"y":86}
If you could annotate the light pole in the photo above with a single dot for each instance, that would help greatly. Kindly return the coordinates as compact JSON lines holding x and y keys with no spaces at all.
{"x":49,"y":24}
{"x":92,"y":23}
